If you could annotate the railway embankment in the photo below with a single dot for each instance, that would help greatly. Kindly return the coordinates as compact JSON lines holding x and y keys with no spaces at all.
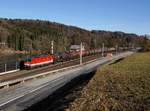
{"x":31,"y":92}
{"x":122,"y":86}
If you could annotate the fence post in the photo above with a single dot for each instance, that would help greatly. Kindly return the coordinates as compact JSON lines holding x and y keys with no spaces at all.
{"x":5,"y":67}
{"x":16,"y":66}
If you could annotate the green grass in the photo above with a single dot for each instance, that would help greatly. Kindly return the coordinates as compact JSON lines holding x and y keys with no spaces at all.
{"x":124,"y":86}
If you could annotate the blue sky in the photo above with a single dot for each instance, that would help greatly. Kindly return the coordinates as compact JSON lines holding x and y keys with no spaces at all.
{"x":115,"y":15}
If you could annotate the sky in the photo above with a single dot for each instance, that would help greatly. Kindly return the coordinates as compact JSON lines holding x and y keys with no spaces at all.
{"x":132,"y":16}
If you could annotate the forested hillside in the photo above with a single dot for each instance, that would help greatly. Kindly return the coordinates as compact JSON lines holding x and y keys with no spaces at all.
{"x":23,"y":34}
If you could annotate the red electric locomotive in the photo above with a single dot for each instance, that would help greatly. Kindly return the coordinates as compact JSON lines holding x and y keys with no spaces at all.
{"x":39,"y":61}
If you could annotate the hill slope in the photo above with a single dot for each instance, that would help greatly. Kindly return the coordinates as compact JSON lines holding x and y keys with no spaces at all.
{"x":23,"y":34}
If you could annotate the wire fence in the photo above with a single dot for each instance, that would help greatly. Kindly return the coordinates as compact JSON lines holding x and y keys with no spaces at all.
{"x":9,"y":66}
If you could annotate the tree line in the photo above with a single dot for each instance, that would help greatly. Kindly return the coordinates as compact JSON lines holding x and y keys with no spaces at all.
{"x":24,"y":34}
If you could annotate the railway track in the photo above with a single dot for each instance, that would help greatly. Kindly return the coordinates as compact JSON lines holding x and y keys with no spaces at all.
{"x":26,"y":73}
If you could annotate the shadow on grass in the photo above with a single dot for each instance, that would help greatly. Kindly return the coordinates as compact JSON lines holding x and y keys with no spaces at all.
{"x":60,"y":99}
{"x":117,"y":61}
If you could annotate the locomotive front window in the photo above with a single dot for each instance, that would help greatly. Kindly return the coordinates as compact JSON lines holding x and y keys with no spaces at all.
{"x":29,"y":59}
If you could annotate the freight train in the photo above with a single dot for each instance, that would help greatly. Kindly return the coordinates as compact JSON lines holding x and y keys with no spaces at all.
{"x":46,"y":59}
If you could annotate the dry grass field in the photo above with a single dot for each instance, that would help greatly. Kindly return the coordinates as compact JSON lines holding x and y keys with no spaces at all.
{"x":122,"y":86}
